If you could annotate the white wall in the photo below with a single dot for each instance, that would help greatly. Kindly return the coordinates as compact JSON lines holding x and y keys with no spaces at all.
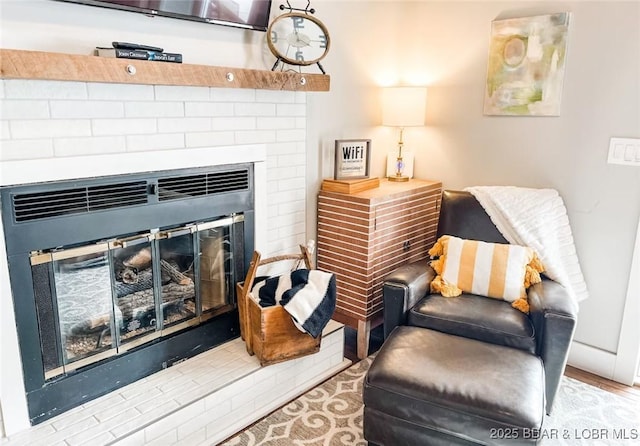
{"x":443,"y":45}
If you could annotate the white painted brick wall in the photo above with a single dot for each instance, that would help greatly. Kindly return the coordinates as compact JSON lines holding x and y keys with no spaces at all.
{"x":94,"y":145}
{"x":25,"y":109}
{"x":210,"y":139}
{"x":25,"y":148}
{"x":4,"y":130}
{"x":48,"y":119}
{"x":19,"y":89}
{"x":236,"y":95}
{"x":181,"y":93}
{"x":52,"y":120}
{"x":49,"y":128}
{"x":254,"y":109}
{"x":113,"y":92}
{"x":85,"y":109}
{"x":139,"y":109}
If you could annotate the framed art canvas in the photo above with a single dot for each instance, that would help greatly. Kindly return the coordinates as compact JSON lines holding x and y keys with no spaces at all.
{"x":352,"y":159}
{"x":527,"y":58}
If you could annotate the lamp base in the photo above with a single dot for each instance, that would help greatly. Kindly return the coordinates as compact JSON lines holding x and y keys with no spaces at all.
{"x":398,"y":178}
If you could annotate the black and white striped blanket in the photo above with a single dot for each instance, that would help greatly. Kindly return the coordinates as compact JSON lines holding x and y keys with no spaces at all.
{"x":309,"y":296}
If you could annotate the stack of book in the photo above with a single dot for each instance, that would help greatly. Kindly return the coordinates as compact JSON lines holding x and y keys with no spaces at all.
{"x":124,"y":50}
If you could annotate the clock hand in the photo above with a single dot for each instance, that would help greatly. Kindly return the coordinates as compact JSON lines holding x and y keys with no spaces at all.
{"x":298,"y":40}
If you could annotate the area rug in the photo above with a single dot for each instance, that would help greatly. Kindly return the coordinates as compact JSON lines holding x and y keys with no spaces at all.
{"x":331,"y":415}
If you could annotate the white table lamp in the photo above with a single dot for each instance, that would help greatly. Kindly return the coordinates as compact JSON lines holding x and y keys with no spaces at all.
{"x":403,"y":107}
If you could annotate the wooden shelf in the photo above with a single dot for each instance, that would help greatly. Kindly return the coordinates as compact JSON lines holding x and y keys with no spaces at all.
{"x":21,"y":64}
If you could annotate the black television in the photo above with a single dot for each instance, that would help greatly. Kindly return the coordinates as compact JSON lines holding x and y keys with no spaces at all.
{"x":249,"y":14}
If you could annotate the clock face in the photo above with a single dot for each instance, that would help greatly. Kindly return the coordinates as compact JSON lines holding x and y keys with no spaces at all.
{"x":298,"y":39}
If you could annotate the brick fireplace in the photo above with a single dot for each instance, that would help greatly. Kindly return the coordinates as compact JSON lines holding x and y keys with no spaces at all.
{"x":129,"y":274}
{"x":54,"y":130}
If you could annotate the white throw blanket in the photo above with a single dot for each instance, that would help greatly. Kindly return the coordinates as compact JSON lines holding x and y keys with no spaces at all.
{"x":536,"y":218}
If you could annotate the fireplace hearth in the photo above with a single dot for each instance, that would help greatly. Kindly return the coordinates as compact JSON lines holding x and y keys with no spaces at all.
{"x":116,"y":277}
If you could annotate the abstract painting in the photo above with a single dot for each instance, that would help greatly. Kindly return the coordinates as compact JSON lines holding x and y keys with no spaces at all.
{"x":527,"y":58}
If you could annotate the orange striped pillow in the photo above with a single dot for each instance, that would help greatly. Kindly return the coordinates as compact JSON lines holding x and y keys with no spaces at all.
{"x":494,"y":270}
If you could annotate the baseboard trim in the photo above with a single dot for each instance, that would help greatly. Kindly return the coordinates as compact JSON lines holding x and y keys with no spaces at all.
{"x":592,"y":359}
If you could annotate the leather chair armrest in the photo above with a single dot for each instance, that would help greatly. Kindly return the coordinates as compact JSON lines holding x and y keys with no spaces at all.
{"x":401,"y":289}
{"x":551,"y":297}
{"x":554,"y":315}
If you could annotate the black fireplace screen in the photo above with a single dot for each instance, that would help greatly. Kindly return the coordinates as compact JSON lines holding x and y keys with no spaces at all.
{"x":110,"y":297}
{"x":114,"y":278}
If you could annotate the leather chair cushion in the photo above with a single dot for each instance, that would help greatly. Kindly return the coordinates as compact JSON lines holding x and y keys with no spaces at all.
{"x":454,"y":385}
{"x":475,"y":317}
{"x":461,"y":215}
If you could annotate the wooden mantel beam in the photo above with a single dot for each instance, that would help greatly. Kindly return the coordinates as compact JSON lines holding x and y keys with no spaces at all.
{"x":21,"y":64}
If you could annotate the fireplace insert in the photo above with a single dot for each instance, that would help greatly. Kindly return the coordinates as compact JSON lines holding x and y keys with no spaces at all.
{"x":115,"y":278}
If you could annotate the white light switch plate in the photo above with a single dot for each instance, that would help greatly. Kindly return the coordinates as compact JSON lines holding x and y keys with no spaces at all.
{"x":624,"y":151}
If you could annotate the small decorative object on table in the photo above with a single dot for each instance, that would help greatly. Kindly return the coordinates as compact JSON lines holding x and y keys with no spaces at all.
{"x":125,"y":50}
{"x":351,"y":167}
{"x":298,"y":38}
{"x":352,"y":159}
{"x":349,"y":186}
{"x":406,"y":169}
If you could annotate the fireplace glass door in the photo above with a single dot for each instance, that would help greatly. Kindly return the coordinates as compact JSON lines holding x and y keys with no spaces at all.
{"x":84,"y":304}
{"x":132,"y":279}
{"x":103,"y":299}
{"x":177,"y":292}
{"x":216,"y":267}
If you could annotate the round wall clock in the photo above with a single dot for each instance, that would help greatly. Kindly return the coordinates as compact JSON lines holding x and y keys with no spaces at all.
{"x":298,"y":38}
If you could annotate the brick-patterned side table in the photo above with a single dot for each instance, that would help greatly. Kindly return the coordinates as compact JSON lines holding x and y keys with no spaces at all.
{"x":364,"y":236}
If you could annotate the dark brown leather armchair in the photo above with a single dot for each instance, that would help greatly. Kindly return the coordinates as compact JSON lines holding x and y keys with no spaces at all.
{"x":546,"y":332}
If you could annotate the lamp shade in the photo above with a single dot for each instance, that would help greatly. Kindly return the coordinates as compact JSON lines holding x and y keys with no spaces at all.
{"x":403,"y":106}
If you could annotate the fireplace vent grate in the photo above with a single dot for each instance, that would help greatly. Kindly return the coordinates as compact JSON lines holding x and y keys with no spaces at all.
{"x":40,"y":205}
{"x":186,"y":186}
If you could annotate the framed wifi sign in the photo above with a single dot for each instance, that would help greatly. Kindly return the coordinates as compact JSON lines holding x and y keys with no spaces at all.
{"x":353,"y":157}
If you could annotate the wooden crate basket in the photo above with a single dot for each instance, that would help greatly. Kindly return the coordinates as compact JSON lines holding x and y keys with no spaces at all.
{"x":269,"y":332}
